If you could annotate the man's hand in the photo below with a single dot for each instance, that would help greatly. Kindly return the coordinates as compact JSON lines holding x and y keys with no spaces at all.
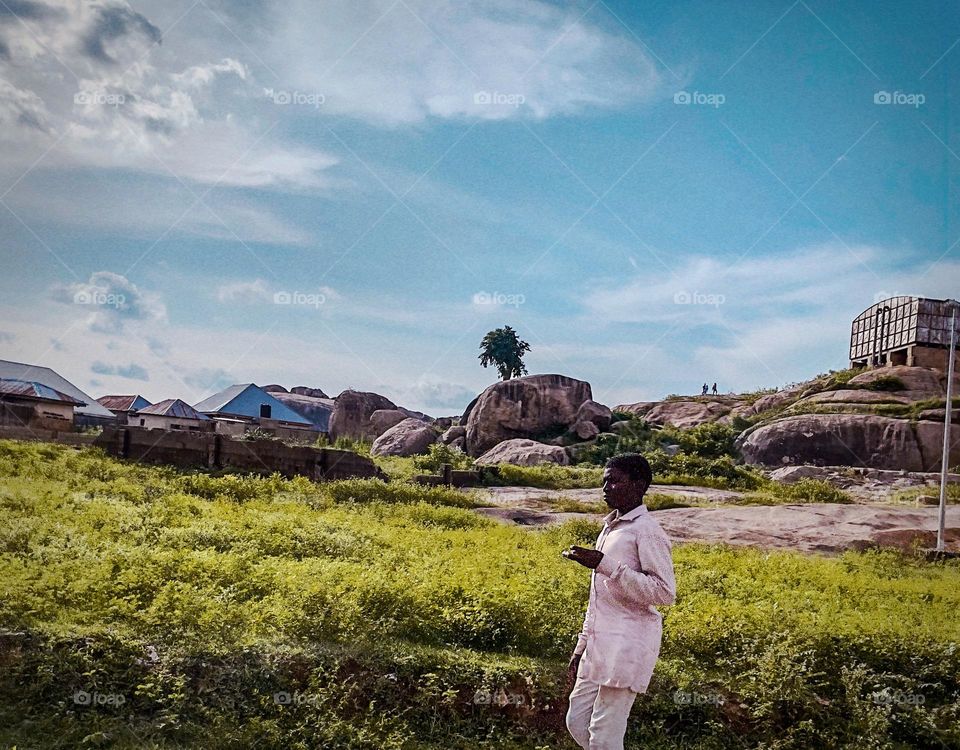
{"x":572,"y":668}
{"x":589,"y":558}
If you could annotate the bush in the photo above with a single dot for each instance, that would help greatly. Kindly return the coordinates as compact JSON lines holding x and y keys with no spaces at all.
{"x":439,"y":454}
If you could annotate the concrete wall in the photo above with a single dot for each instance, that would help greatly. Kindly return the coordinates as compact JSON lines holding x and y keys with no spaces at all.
{"x":163,"y":422}
{"x":211,"y":450}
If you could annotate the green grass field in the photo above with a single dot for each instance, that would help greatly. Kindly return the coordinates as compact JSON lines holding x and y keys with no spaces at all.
{"x":142,"y":607}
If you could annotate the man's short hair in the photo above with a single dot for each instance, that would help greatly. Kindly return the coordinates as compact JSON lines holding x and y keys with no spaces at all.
{"x":634,"y":466}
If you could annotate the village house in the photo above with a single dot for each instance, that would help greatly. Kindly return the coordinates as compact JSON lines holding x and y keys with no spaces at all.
{"x":170,"y":414}
{"x":123,"y":406}
{"x":88,"y":413}
{"x":34,"y":405}
{"x":243,"y":406}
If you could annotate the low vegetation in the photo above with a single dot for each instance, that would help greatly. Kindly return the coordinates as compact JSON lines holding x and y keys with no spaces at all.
{"x":141,"y":607}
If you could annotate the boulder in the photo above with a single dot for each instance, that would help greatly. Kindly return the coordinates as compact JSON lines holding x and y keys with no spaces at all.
{"x":792,"y":474}
{"x":317,"y":411}
{"x":598,"y":414}
{"x":453,"y":433}
{"x":620,"y":427}
{"x":852,"y":397}
{"x":834,"y":440}
{"x":303,"y":390}
{"x":383,"y":419}
{"x":930,"y":442}
{"x":919,"y":382}
{"x":459,"y":443}
{"x":522,"y":452}
{"x":773,"y":401}
{"x":686,"y":414}
{"x":274,"y":388}
{"x":638,"y":409}
{"x":410,"y":437}
{"x":585,"y":430}
{"x":523,"y":408}
{"x":352,"y":412}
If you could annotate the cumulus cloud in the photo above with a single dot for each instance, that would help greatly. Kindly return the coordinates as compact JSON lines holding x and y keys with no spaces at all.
{"x":87,"y":78}
{"x":113,"y":301}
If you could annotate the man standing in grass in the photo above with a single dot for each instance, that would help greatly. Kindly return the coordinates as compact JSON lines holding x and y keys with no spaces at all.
{"x":620,"y":641}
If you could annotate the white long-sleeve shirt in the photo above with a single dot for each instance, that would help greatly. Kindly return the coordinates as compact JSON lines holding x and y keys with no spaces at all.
{"x":620,"y":640}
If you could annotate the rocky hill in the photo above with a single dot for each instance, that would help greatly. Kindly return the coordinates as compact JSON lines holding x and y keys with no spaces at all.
{"x":884,"y":418}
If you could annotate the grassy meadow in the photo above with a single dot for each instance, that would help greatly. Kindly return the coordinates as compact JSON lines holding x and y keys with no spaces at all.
{"x":142,"y":607}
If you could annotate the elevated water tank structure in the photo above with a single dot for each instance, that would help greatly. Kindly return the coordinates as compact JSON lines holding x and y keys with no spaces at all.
{"x":912,"y":331}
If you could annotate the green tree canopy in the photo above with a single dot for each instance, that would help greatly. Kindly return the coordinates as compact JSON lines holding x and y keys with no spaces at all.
{"x":503,"y":348}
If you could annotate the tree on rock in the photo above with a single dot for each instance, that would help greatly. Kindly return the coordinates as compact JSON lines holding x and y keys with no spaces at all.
{"x":503,"y":348}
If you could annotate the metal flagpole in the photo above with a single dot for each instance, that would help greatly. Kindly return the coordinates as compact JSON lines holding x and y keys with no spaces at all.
{"x":944,"y":464}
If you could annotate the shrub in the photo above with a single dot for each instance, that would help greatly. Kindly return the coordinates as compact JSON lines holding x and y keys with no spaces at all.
{"x":439,"y":454}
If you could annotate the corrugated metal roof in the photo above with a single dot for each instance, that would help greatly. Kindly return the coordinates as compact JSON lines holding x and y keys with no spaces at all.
{"x":34,"y":390}
{"x":173,"y":407}
{"x":123,"y":403}
{"x":46,"y":376}
{"x":244,"y":400}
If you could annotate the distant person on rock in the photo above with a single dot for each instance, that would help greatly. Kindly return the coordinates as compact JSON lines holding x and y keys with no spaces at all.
{"x":714,"y":389}
{"x":632,"y":573}
{"x":704,"y":391}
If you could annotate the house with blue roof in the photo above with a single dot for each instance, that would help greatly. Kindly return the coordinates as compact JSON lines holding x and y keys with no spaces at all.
{"x":237,"y":407}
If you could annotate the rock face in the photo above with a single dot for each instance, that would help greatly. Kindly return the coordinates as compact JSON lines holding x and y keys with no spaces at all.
{"x":457,"y":432}
{"x":521,"y":408}
{"x":585,"y":430}
{"x":383,"y":419}
{"x":685,"y":414}
{"x":352,"y":412}
{"x":598,"y":414}
{"x":315,"y":410}
{"x":522,"y":452}
{"x":848,"y":440}
{"x":410,"y":437}
{"x":303,"y":390}
{"x":638,"y":409}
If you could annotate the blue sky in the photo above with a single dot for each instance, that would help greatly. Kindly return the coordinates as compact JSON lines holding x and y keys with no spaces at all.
{"x":653,"y":195}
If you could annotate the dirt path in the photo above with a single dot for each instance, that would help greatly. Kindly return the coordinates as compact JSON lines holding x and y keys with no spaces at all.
{"x":813,"y":527}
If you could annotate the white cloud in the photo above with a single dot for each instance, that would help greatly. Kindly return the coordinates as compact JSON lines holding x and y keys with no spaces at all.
{"x":244,"y":292}
{"x":112,"y":299}
{"x":490,"y":61}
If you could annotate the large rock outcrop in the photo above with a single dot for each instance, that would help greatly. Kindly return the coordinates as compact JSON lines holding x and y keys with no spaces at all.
{"x":352,"y":412}
{"x":383,"y":419}
{"x":523,"y":408}
{"x":685,"y":414}
{"x":848,"y":440}
{"x":522,"y":452}
{"x":410,"y":437}
{"x":315,"y":410}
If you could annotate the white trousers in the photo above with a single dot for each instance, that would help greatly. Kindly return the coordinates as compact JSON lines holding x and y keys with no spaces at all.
{"x":597,"y":717}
